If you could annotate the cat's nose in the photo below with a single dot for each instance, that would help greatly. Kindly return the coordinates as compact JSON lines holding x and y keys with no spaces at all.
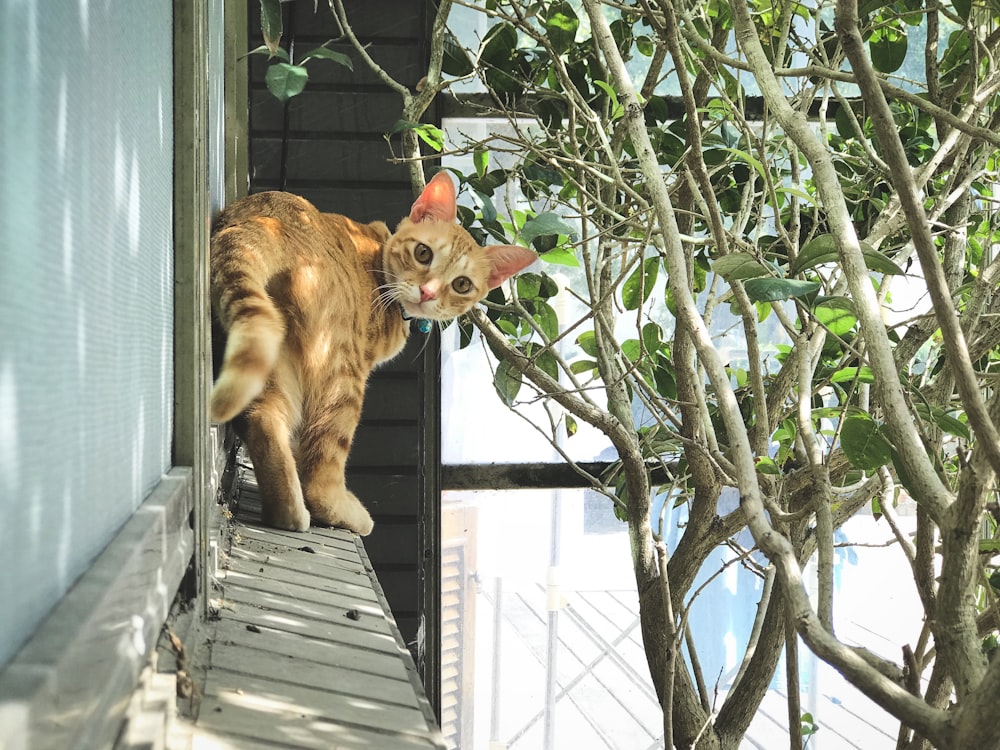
{"x":428,"y":292}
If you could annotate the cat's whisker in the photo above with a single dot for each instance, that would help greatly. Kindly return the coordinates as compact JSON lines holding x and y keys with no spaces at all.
{"x":387,"y":295}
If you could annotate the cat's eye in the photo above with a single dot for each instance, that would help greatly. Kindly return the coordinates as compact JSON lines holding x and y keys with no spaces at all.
{"x":423,"y":254}
{"x":462,"y":285}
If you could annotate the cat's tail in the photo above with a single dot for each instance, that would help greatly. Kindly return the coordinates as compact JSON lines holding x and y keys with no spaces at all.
{"x":255,"y":330}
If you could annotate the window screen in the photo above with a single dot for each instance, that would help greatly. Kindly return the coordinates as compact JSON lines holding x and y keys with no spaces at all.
{"x":86,"y":287}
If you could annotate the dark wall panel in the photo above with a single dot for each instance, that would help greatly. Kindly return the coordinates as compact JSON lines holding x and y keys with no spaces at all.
{"x":389,"y":494}
{"x":359,"y":113}
{"x":328,"y":145}
{"x":319,"y":160}
{"x":400,"y":22}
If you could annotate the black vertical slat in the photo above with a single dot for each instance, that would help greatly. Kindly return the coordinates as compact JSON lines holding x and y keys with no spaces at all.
{"x":429,"y":521}
{"x":327,"y":144}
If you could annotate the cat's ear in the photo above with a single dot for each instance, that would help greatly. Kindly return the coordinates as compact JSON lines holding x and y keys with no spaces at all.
{"x":437,"y":202}
{"x":505,"y":261}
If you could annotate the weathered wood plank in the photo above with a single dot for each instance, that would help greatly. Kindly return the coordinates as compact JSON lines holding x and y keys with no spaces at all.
{"x":350,"y":675}
{"x":305,"y":652}
{"x":241,"y":725}
{"x":281,"y":569}
{"x":294,"y":700}
{"x":360,"y":649}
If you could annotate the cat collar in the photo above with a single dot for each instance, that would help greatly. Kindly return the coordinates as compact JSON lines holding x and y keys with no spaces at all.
{"x":424,"y":326}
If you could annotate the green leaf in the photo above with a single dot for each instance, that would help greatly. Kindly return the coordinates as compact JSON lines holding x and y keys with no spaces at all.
{"x":798,"y":193}
{"x":481,"y":158}
{"x":888,"y":46}
{"x":546,"y":318}
{"x":561,"y":23}
{"x":823,"y":249}
{"x":989,"y":546}
{"x":528,"y":285}
{"x":809,"y":725}
{"x":500,"y":43}
{"x":766,"y":465}
{"x":995,"y":579}
{"x":943,"y":420}
{"x":546,"y":361}
{"x":652,"y":337}
{"x":549,"y":288}
{"x":455,"y":61}
{"x":663,"y":377}
{"x":632,"y":349}
{"x":561,"y":257}
{"x":583,"y":365}
{"x":952,"y":425}
{"x":285,"y":81}
{"x":617,"y":110}
{"x":819,"y":250}
{"x":749,"y":159}
{"x":328,"y":54}
{"x":507,"y":381}
{"x":544,"y":224}
{"x":502,"y":62}
{"x":571,"y":426}
{"x":270,"y":26}
{"x":400,"y":125}
{"x":429,"y":134}
{"x":836,"y":314}
{"x":862,"y":374}
{"x":487,"y":208}
{"x":588,"y":342}
{"x":508,"y":327}
{"x":736,"y":266}
{"x":263,"y":50}
{"x":865,"y":447}
{"x":904,"y":477}
{"x":835,"y":303}
{"x":772,"y":290}
{"x":643,"y":277}
{"x":489,"y":182}
{"x":963,"y":8}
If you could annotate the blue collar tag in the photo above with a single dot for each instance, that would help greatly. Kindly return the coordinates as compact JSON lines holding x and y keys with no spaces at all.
{"x":424,"y":326}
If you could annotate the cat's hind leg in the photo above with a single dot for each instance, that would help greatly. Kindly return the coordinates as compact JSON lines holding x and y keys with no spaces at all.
{"x":339,"y":507}
{"x":268,"y":438}
{"x":324,"y":444}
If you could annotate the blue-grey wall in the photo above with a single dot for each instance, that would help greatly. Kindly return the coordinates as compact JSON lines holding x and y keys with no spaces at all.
{"x":86,"y":287}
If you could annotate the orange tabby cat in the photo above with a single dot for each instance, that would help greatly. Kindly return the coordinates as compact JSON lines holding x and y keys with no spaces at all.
{"x":311,"y":302}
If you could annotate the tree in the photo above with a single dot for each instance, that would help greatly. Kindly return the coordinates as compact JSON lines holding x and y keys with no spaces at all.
{"x":794,"y":163}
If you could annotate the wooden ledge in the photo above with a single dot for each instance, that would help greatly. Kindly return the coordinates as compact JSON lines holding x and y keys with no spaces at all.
{"x":304,"y":651}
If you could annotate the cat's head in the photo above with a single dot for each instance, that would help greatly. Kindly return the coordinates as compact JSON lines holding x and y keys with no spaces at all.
{"x":434,"y":268}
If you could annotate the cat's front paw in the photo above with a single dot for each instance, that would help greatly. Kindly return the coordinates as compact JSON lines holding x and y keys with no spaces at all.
{"x":345,"y":511}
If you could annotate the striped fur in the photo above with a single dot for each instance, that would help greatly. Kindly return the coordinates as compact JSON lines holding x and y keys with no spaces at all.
{"x":310,"y":303}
